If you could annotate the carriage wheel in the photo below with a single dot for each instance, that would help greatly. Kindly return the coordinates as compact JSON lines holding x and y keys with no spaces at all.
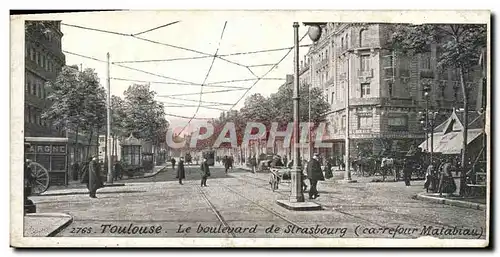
{"x":41,"y":178}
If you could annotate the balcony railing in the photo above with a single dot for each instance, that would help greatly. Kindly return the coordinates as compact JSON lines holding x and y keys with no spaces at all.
{"x":365,"y":73}
{"x":427,"y":73}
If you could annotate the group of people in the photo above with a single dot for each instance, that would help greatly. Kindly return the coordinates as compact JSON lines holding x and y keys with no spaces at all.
{"x":439,"y":176}
{"x":181,"y":171}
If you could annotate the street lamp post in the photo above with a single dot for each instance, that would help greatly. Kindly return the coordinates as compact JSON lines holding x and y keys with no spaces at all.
{"x":296,"y":200}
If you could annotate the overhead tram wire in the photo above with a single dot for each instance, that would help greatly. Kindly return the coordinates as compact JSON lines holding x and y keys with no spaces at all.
{"x":220,"y":55}
{"x":210,"y":92}
{"x":185,"y":117}
{"x":159,"y":27}
{"x":191,"y":100}
{"x":175,"y":83}
{"x":182,"y":48}
{"x":134,"y":69}
{"x":272,"y":68}
{"x":206,"y":77}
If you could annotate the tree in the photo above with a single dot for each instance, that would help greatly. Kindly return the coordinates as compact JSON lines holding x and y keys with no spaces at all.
{"x":460,"y":49}
{"x":77,"y":101}
{"x":144,"y":116}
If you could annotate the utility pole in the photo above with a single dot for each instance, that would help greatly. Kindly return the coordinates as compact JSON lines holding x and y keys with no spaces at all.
{"x":108,"y":123}
{"x":296,"y":194}
{"x":347,"y":175}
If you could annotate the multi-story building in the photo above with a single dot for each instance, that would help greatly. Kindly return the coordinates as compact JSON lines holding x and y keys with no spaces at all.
{"x":43,"y":61}
{"x":384,"y":89}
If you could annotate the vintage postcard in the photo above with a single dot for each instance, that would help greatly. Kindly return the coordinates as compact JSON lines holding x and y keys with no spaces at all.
{"x":250,"y":129}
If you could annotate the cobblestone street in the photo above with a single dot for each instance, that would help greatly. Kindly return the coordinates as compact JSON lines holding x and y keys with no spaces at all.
{"x":242,"y":199}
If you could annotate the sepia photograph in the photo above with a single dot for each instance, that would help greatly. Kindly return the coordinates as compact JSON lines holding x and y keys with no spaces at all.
{"x":250,"y":129}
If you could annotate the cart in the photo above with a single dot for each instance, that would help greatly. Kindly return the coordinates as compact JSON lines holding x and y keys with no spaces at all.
{"x":278,"y":176}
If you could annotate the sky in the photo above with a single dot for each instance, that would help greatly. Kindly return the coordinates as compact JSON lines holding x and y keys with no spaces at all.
{"x":199,"y":31}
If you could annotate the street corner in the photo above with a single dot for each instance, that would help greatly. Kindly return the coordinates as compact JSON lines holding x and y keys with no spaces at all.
{"x":45,"y":224}
{"x":448,"y":200}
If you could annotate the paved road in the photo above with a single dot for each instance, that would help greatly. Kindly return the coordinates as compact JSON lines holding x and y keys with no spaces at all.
{"x":244,"y":202}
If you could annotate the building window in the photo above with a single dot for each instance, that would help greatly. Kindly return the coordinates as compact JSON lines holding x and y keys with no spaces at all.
{"x":333,"y":97}
{"x":365,"y":122}
{"x":362,"y":38}
{"x":342,"y":122}
{"x":398,"y":123}
{"x":388,"y":61}
{"x":342,"y":43}
{"x":42,"y":60}
{"x":391,"y":88}
{"x":326,"y":53}
{"x":365,"y":62}
{"x":33,"y":88}
{"x":425,"y":61}
{"x":37,"y":58}
{"x":365,"y":89}
{"x":455,"y":93}
{"x":32,"y":54}
{"x":346,"y":41}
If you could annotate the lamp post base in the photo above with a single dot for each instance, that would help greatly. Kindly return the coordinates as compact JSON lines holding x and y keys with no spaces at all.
{"x":299,"y":206}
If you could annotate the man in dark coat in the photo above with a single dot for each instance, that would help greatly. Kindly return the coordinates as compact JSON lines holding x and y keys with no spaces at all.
{"x":315,"y":174}
{"x":181,"y":173}
{"x":205,"y":172}
{"x":226,"y":162}
{"x":173,"y":163}
{"x":92,"y":177}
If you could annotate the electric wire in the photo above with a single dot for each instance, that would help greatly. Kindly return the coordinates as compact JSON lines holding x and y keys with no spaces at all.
{"x":206,"y":77}
{"x":159,"y":27}
{"x":272,"y":68}
{"x":204,"y":93}
{"x":175,"y":83}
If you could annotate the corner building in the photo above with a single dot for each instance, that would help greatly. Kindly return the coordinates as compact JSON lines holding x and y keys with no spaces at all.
{"x":44,"y":59}
{"x":385,"y":89}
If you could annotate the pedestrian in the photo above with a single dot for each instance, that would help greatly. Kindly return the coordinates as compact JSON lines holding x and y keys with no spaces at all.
{"x":92,"y":177}
{"x":226,"y":163}
{"x":181,"y":173}
{"x":118,"y":174}
{"x":447,"y":183}
{"x":328,"y":169}
{"x":231,"y":162}
{"x":173,"y":163}
{"x":205,"y":172}
{"x":315,"y":174}
{"x":407,"y":170}
{"x":253,"y":163}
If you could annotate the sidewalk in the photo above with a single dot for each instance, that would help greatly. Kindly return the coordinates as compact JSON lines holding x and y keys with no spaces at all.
{"x":45,"y":224}
{"x":77,"y":184}
{"x":477,"y":203}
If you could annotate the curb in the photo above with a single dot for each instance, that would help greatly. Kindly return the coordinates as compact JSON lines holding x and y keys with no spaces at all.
{"x":458,"y":203}
{"x":55,"y":215}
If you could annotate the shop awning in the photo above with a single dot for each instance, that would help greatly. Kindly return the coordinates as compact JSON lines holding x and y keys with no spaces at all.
{"x":450,"y":143}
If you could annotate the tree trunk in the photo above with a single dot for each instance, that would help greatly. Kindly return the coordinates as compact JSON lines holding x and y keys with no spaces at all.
{"x":466,"y":123}
{"x":75,"y":146}
{"x":91,"y":134}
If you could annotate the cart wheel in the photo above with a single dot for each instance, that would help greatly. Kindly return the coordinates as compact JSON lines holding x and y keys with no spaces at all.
{"x":41,"y":178}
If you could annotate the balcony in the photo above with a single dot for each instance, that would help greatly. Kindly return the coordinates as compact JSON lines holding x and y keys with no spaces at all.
{"x":404,"y":73}
{"x":427,"y":73}
{"x":365,"y":73}
{"x":343,"y":76}
{"x":388,"y":74}
{"x":365,"y":101}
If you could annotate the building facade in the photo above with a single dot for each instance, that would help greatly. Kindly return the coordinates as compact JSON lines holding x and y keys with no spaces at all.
{"x":44,"y":59}
{"x":384,"y":89}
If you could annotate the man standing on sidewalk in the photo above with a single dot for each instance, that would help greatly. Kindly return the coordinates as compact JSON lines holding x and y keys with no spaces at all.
{"x":315,"y":174}
{"x":181,"y":173}
{"x":205,"y":172}
{"x":173,"y":163}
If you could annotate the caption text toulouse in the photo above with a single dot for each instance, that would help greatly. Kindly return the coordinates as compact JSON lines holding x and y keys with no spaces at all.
{"x":132,"y":229}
